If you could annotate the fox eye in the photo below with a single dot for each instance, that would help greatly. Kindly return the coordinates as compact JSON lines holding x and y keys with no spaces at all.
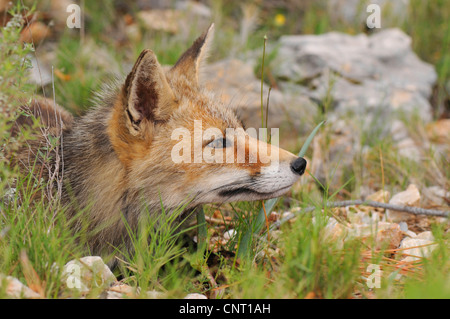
{"x":219,"y":143}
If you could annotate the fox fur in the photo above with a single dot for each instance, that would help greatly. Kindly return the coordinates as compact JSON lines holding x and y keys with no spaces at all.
{"x":117,"y":157}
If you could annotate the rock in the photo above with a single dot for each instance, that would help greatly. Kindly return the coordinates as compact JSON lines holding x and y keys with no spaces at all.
{"x":153,"y":294}
{"x":412,"y":246}
{"x":160,"y":20}
{"x":114,"y":295}
{"x":194,"y":8}
{"x":239,"y":88}
{"x":437,"y":195}
{"x":333,"y":148}
{"x":15,"y":289}
{"x":403,"y":227}
{"x":406,"y":146}
{"x":40,"y":73}
{"x":229,"y":234}
{"x":287,"y":215}
{"x":390,"y":234}
{"x":380,"y":196}
{"x":335,"y":231}
{"x":122,"y":291}
{"x":368,"y":76}
{"x":87,"y":273}
{"x":427,"y":235}
{"x":351,"y":11}
{"x":383,"y":233}
{"x":409,"y":197}
{"x":9,"y":195}
{"x":185,"y":16}
{"x":195,"y":296}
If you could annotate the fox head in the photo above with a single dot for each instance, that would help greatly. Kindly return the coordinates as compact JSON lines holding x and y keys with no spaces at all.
{"x":154,"y":130}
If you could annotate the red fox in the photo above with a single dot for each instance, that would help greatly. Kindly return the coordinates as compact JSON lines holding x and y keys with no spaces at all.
{"x":117,"y":159}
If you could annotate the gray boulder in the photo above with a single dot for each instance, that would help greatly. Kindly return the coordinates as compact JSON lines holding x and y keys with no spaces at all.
{"x":364,"y":74}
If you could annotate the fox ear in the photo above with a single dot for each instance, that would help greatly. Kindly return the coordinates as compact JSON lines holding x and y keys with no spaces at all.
{"x":148,"y":96}
{"x":190,"y":62}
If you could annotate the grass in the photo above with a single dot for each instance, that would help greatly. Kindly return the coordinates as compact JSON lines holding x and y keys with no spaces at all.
{"x":297,"y":261}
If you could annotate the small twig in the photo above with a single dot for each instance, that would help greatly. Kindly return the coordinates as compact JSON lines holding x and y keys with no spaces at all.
{"x":267,"y":111}
{"x":406,"y":209}
{"x":262,"y":82}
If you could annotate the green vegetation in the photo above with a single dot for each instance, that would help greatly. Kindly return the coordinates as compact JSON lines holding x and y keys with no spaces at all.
{"x":297,"y":261}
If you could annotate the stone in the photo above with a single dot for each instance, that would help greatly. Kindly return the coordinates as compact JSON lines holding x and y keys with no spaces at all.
{"x":390,"y":234}
{"x":114,"y":295}
{"x":40,"y":73}
{"x":416,"y":247}
{"x":125,"y":291}
{"x":366,"y":75}
{"x":437,"y":195}
{"x":384,"y":233}
{"x":87,"y":273}
{"x":333,"y":148}
{"x":185,"y":16}
{"x":355,"y":11}
{"x":287,"y":215}
{"x":427,"y":235}
{"x":381,"y":196}
{"x":335,"y":232}
{"x":160,"y":19}
{"x":197,"y":9}
{"x":229,"y":234}
{"x":195,"y":296}
{"x":406,"y":146}
{"x":409,"y":197}
{"x":240,"y":89}
{"x":153,"y":294}
{"x":15,"y":289}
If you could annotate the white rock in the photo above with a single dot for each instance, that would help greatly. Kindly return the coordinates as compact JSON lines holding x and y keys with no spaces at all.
{"x":427,"y":235}
{"x":287,"y":215}
{"x":437,"y":194}
{"x":195,"y":296}
{"x":410,"y":233}
{"x":409,"y":197}
{"x":114,"y":295}
{"x":412,"y":248}
{"x":229,"y":234}
{"x":403,"y":227}
{"x":87,"y":273}
{"x":15,"y":289}
{"x":335,"y":232}
{"x":195,"y":8}
{"x":153,"y":294}
{"x":378,"y":75}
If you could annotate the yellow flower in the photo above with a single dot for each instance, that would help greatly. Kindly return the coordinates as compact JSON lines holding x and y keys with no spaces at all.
{"x":280,"y":19}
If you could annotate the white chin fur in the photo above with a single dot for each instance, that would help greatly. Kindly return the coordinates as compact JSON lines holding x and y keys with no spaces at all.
{"x":274,"y":180}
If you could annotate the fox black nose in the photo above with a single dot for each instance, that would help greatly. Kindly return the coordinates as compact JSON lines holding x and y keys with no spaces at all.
{"x":298,"y":166}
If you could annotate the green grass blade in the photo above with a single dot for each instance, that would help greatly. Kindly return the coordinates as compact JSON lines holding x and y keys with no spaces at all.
{"x":258,"y":223}
{"x":202,"y":231}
